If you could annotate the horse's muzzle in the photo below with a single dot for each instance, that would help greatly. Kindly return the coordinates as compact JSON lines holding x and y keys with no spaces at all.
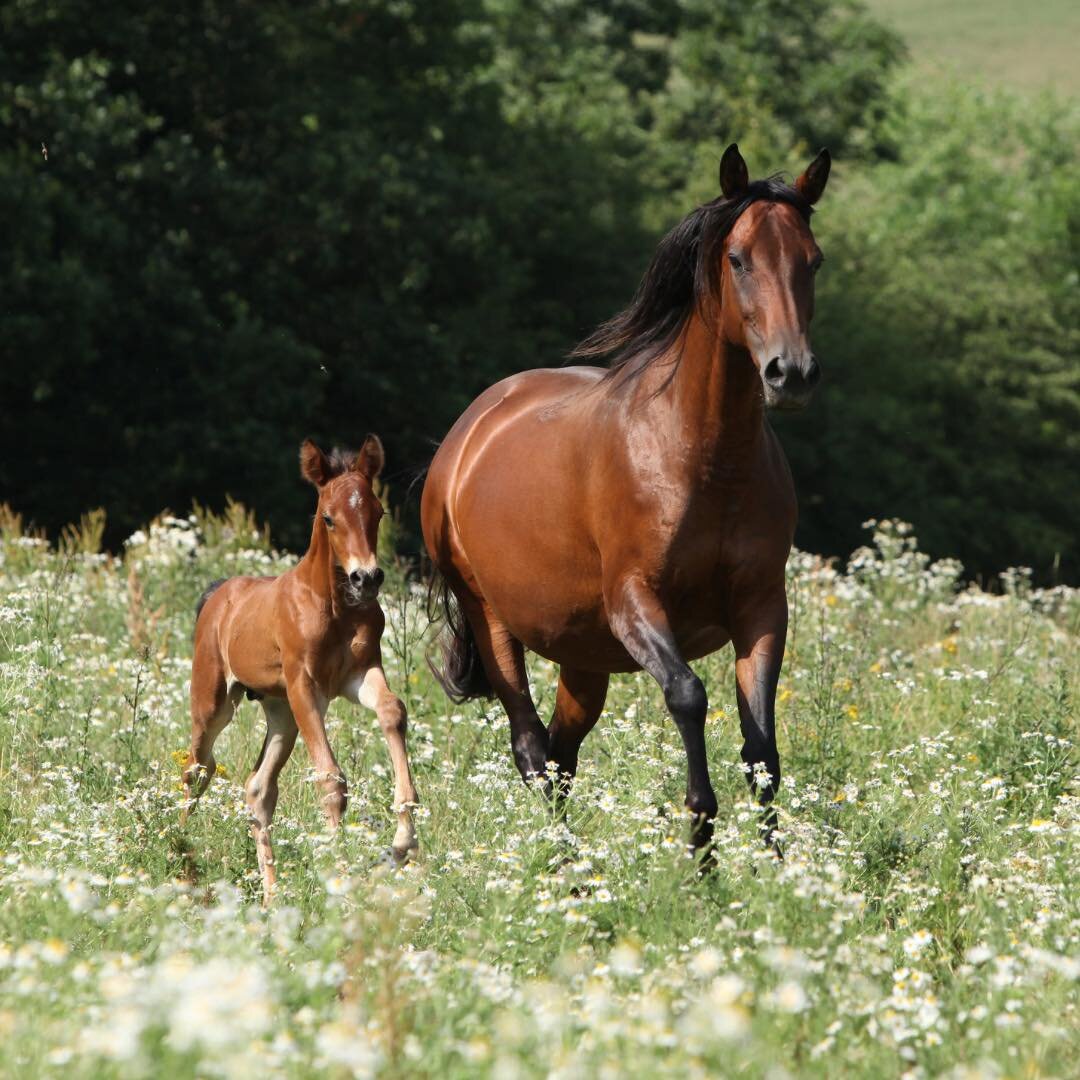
{"x":789,"y":381}
{"x":364,"y":585}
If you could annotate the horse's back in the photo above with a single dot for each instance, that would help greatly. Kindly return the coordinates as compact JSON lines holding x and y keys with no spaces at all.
{"x":539,"y":392}
{"x":230,"y":609}
{"x":513,"y":428}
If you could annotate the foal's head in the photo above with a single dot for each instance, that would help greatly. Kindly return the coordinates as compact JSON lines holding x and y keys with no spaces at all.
{"x":768,"y":260}
{"x":349,"y":511}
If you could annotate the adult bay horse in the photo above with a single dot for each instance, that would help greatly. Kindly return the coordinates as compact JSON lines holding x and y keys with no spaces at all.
{"x":640,"y":516}
{"x":295,"y":643}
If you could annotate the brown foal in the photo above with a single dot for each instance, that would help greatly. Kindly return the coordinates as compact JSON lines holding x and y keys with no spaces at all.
{"x":641,"y":517}
{"x":295,"y":643}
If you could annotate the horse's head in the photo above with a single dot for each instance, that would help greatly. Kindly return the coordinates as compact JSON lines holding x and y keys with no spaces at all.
{"x":349,"y":511}
{"x":769,"y":259}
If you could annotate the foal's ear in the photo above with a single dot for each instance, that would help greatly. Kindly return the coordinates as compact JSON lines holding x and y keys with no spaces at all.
{"x":812,"y":182}
{"x":314,"y":464}
{"x":371,"y":457}
{"x":734,"y":176}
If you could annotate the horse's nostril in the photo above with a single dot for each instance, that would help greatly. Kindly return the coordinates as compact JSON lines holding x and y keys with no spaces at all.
{"x":813,"y":373}
{"x":377,"y":576}
{"x":356,"y":577}
{"x":774,"y":373}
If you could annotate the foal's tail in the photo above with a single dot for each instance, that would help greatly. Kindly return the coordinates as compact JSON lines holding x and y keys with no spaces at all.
{"x":462,"y":675}
{"x":207,"y":593}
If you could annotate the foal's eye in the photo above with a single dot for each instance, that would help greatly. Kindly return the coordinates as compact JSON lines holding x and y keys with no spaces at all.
{"x":736,"y":263}
{"x":329,"y":521}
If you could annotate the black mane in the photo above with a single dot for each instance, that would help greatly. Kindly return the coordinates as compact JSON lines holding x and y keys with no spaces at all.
{"x":684,"y":274}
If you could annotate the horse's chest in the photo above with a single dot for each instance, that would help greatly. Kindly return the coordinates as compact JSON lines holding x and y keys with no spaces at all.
{"x":346,"y":663}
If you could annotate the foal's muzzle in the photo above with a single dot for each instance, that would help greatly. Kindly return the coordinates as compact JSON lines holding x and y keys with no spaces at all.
{"x":365,"y":584}
{"x":789,"y":381}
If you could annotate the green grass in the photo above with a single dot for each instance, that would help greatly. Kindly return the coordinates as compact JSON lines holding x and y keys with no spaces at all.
{"x":999,"y":43}
{"x":925,"y":920}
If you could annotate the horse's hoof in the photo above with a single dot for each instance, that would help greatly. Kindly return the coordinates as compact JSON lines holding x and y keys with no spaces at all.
{"x":397,"y":856}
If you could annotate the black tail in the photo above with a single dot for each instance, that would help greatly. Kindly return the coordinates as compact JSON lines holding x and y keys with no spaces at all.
{"x":462,"y":675}
{"x":207,"y":593}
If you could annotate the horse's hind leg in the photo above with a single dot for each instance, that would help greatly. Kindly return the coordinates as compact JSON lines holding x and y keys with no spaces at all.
{"x":503,"y":657}
{"x":578,"y":704}
{"x":212,"y":707}
{"x":261,"y":789}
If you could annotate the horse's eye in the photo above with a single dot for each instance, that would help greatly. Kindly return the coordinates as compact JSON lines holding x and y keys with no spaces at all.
{"x":736,"y":263}
{"x":329,"y":521}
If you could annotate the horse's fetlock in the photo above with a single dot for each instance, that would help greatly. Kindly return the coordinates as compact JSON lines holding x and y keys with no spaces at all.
{"x":703,"y":805}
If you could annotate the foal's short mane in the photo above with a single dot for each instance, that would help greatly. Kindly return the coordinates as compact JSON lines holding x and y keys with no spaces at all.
{"x":341,"y":461}
{"x":684,"y":274}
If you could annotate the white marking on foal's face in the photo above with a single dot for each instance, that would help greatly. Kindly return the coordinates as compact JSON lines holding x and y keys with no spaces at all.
{"x":354,"y":500}
{"x":359,"y":564}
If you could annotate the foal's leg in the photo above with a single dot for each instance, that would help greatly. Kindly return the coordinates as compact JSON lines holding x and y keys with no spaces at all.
{"x":578,"y":704}
{"x":261,"y":789}
{"x":212,"y":707}
{"x":503,"y":657}
{"x":640,"y":623}
{"x":375,"y":694}
{"x":309,"y":708}
{"x":758,"y":635}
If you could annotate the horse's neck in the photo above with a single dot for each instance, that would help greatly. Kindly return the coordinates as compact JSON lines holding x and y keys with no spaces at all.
{"x":715,"y":397}
{"x":316,"y":568}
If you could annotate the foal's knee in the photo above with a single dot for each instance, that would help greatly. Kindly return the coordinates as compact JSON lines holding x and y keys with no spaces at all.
{"x":686,"y":699}
{"x":393,"y":719}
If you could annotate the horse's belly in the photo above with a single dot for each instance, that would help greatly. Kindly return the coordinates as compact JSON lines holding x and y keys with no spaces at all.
{"x":700,"y":641}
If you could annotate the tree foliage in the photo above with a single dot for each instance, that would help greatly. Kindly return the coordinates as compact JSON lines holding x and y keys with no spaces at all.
{"x":262,"y":221}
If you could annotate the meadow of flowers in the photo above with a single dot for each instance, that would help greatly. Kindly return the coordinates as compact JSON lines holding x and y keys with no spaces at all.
{"x":925,"y":920}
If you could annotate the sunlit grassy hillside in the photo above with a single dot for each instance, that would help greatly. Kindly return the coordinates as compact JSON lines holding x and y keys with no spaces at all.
{"x":926,"y":920}
{"x":1001,"y":43}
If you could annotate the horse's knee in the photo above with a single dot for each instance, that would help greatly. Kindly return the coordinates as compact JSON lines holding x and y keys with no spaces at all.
{"x":685,"y":697}
{"x":393,"y":719}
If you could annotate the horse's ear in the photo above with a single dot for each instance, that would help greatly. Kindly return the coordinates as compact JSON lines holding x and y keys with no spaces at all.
{"x":734,"y":176}
{"x":812,"y":182}
{"x":314,"y":464}
{"x":371,"y":458}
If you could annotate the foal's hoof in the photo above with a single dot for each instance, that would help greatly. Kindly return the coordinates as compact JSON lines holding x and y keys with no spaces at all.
{"x":402,"y":855}
{"x":399,"y":856}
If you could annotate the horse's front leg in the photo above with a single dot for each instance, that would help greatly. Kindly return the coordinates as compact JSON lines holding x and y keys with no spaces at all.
{"x":374,"y":693}
{"x":308,"y":706}
{"x":639,"y":621}
{"x":759,"y":632}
